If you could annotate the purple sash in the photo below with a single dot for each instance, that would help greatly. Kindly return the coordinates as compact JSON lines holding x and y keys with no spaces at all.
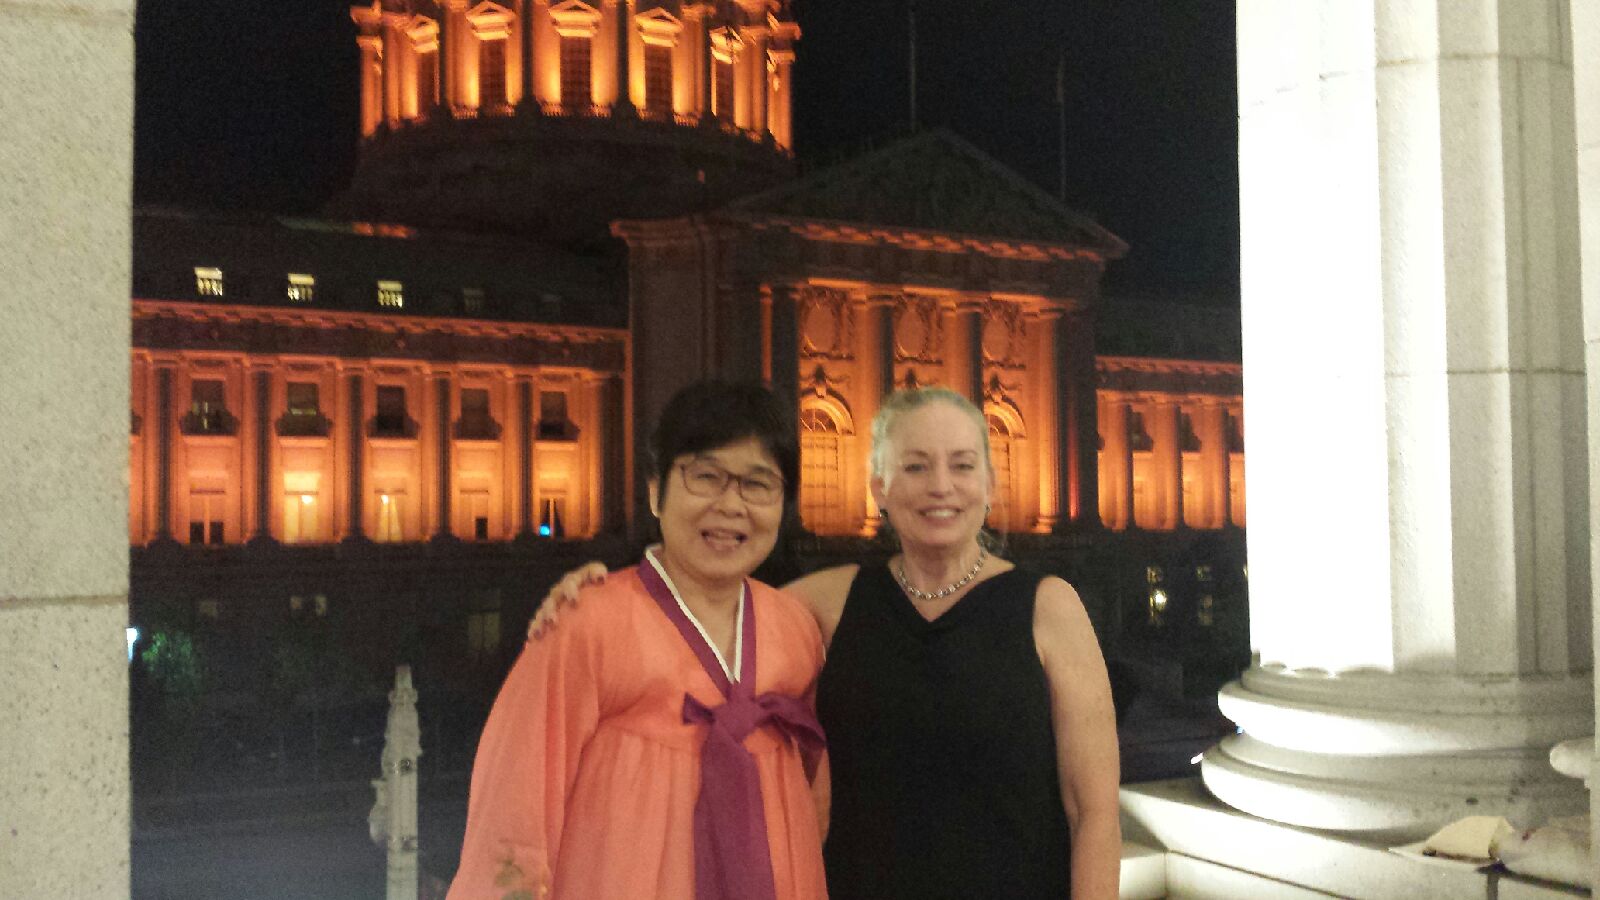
{"x":732,"y":860}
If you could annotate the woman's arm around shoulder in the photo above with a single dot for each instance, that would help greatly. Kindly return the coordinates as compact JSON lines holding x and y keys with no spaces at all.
{"x":824,"y":592}
{"x":1086,"y":737}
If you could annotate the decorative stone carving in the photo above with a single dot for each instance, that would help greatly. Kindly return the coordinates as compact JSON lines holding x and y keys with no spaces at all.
{"x":917,"y":330}
{"x":1003,"y":338}
{"x":825,"y":328}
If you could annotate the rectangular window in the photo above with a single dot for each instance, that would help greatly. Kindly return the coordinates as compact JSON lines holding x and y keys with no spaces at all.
{"x":577,"y":93}
{"x":552,"y":517}
{"x":300,"y":518}
{"x":553,"y":422}
{"x":391,"y":419}
{"x":207,"y":281}
{"x":303,"y":417}
{"x":302,"y":288}
{"x":391,"y":293}
{"x":722,"y":90}
{"x":491,"y":73}
{"x":658,"y":80}
{"x":476,"y":422}
{"x":208,"y":409}
{"x":205,"y":517}
{"x":472,"y":300}
{"x":389,"y":518}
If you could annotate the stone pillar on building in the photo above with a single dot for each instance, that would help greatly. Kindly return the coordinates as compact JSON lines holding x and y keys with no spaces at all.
{"x":780,"y":304}
{"x":1170,"y":460}
{"x":1583,"y":54}
{"x":355,"y":529}
{"x":758,"y":38}
{"x":64,"y":789}
{"x":963,"y":349}
{"x":707,"y":64}
{"x":874,"y":351}
{"x":166,"y":418}
{"x":261,"y":528}
{"x":781,"y":121}
{"x":529,"y":101}
{"x":1130,"y":422}
{"x":1078,"y":466}
{"x":371,"y":47}
{"x":392,"y":43}
{"x":624,"y":103}
{"x":525,"y":426}
{"x":1227,"y":469}
{"x":1046,"y":425}
{"x":1117,"y":458}
{"x":444,"y":528}
{"x":1430,"y":679}
{"x":613,"y":458}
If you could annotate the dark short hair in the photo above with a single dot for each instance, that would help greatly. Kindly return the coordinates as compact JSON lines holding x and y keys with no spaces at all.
{"x":711,"y":414}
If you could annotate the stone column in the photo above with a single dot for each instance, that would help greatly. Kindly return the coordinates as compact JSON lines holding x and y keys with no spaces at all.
{"x":263,"y":455}
{"x":1168,"y":460}
{"x":393,"y":41}
{"x":624,"y":103}
{"x":355,"y":530}
{"x":1584,"y":55}
{"x":1078,"y":467}
{"x":529,"y":102}
{"x":371,"y":82}
{"x":1046,"y":426}
{"x":1128,"y":494}
{"x":164,"y":423}
{"x":614,"y":455}
{"x":1433,"y":143}
{"x":1117,"y":459}
{"x":444,"y":528}
{"x":525,"y":456}
{"x":781,"y":303}
{"x":874,"y":350}
{"x":1227,"y":469}
{"x":963,"y":349}
{"x":758,"y":80}
{"x":780,"y":118}
{"x":707,"y":61}
{"x":64,"y":800}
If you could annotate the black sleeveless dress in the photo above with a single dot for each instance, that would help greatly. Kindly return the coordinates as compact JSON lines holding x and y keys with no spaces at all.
{"x":940,"y":743}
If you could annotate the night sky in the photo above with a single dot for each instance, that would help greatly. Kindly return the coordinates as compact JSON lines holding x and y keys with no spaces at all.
{"x":253,"y":105}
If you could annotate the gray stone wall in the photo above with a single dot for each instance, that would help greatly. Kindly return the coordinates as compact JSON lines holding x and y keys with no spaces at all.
{"x":66,"y":139}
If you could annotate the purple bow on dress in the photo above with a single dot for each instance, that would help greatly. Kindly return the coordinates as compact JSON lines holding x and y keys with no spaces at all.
{"x":732,"y":860}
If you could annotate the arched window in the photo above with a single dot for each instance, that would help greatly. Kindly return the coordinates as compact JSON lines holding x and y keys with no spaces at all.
{"x":822,"y":506}
{"x":1005,"y":427}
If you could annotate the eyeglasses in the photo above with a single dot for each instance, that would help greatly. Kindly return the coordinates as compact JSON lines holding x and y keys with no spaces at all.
{"x":704,"y":478}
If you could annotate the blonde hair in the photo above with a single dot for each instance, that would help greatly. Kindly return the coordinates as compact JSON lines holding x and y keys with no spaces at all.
{"x":897,"y":404}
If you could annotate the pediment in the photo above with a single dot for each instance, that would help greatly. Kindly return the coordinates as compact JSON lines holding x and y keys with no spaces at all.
{"x":938,"y":182}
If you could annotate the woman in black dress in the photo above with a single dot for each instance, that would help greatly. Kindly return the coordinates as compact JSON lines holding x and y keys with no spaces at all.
{"x":971,"y":737}
{"x":972,"y":743}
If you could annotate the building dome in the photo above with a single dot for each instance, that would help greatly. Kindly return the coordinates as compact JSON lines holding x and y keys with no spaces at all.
{"x":555,"y":117}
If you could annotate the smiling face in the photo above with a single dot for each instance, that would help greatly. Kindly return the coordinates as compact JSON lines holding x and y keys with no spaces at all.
{"x":935,"y":485}
{"x":714,"y":542}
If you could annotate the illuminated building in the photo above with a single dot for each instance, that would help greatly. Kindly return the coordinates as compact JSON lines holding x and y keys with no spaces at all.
{"x":406,"y":430}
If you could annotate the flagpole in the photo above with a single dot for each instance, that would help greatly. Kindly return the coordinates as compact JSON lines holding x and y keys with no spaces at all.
{"x":911,"y":19}
{"x":1061,"y":112}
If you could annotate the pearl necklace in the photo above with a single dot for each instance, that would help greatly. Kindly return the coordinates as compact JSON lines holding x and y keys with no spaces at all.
{"x":947,"y":590}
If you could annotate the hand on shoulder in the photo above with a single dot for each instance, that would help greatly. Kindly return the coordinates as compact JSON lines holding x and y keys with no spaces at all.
{"x":562,"y":594}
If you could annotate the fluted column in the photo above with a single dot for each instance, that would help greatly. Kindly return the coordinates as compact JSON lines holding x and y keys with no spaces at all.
{"x":875,"y":368}
{"x":444,"y":527}
{"x":1169,"y":460}
{"x":1428,"y":681}
{"x":780,"y":118}
{"x":164,"y":422}
{"x":1129,"y":496}
{"x":262,"y":526}
{"x":1046,"y":425}
{"x":624,"y":103}
{"x":963,"y":349}
{"x":1584,"y":54}
{"x":780,"y":305}
{"x":392,"y":41}
{"x":355,"y":528}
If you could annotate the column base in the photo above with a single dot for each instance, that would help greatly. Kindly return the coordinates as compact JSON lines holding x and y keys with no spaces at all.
{"x":1392,"y":755}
